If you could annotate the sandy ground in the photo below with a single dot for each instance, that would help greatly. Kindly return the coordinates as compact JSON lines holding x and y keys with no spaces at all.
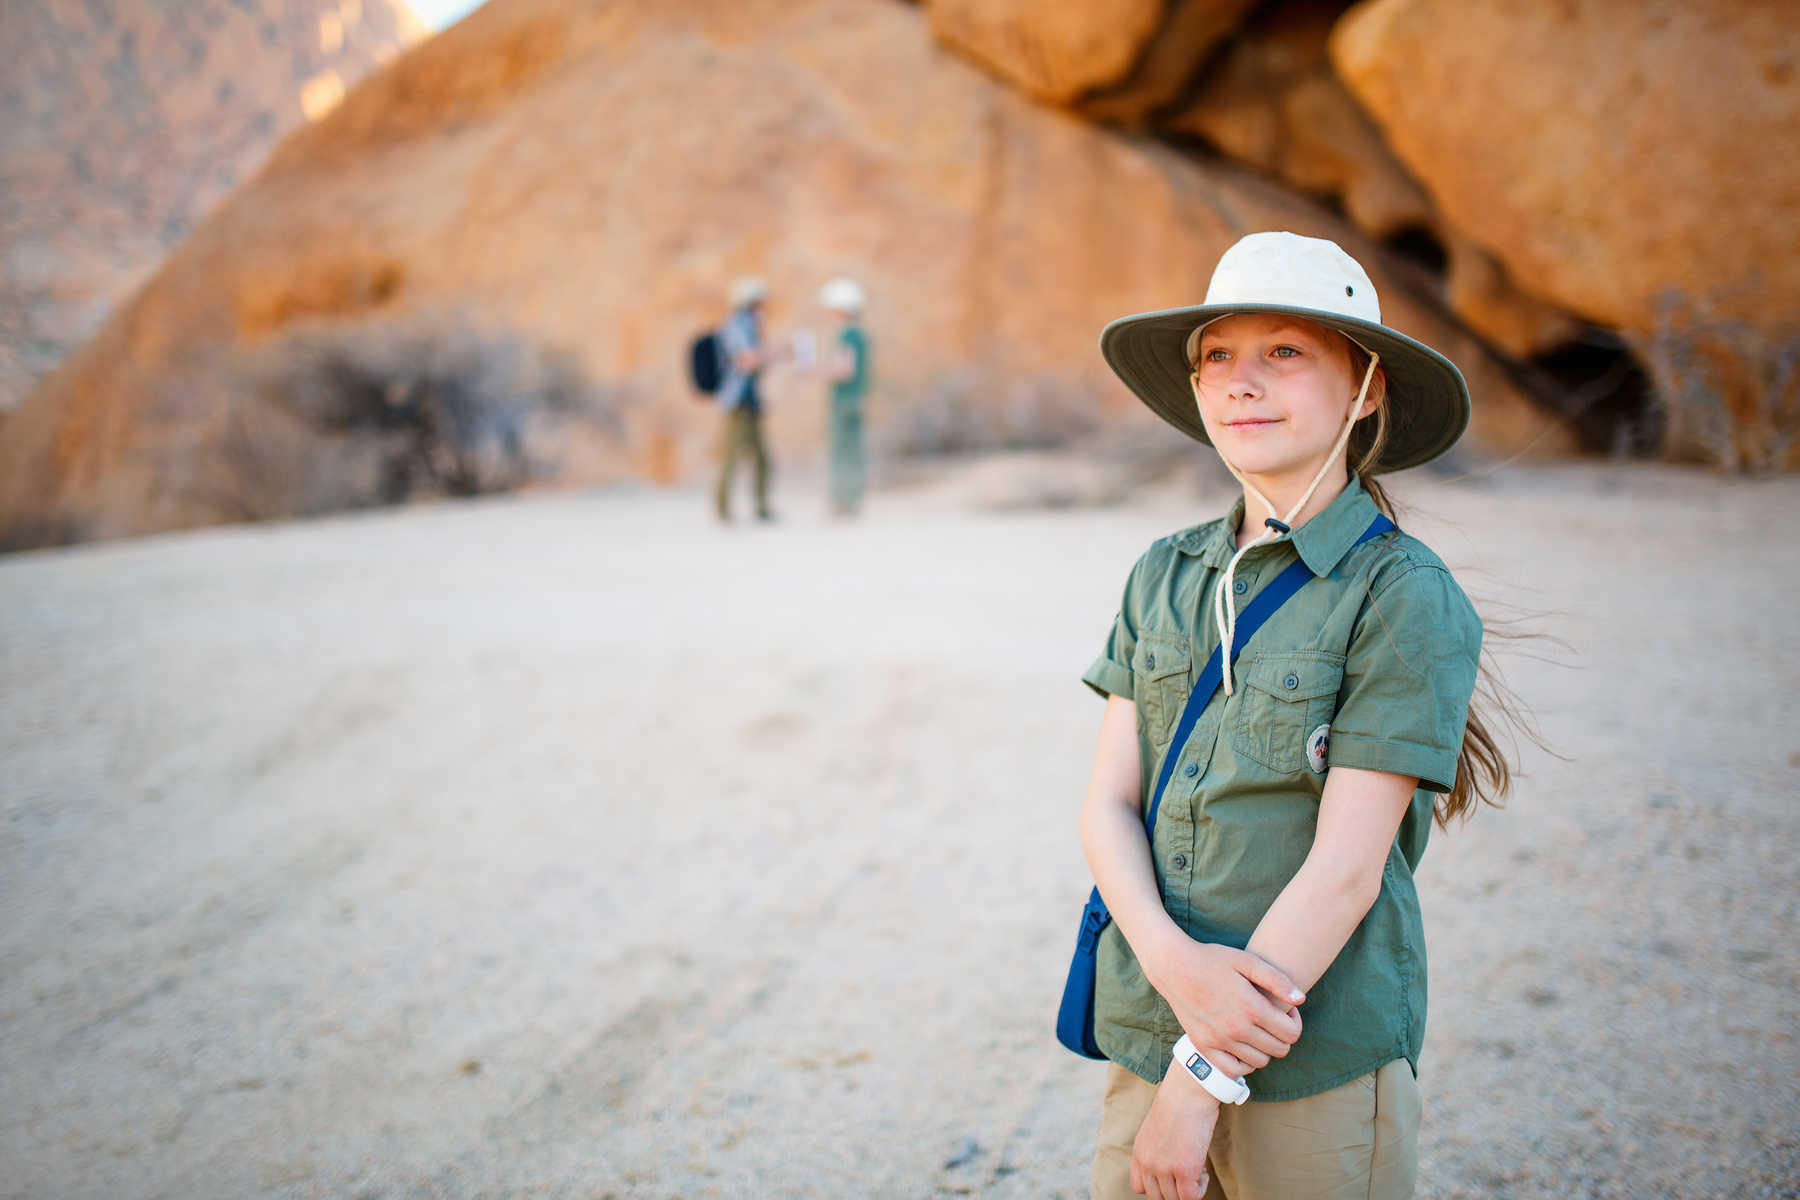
{"x":575,"y":846}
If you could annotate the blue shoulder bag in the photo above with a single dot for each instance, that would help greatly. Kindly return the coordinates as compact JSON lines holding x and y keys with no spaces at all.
{"x":1075,"y":1018}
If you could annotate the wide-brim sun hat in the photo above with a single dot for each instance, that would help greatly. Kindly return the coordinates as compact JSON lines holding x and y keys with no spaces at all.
{"x":1312,"y":278}
{"x":843,"y":295}
{"x":748,"y":290}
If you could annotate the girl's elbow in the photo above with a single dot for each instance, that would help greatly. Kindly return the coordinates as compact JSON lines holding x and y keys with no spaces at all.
{"x":1353,"y":891}
{"x":1362,"y":891}
{"x":1100,"y":817}
{"x":1089,"y":824}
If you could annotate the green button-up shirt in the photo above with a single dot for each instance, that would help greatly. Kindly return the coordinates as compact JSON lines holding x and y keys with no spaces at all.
{"x":1369,"y":665}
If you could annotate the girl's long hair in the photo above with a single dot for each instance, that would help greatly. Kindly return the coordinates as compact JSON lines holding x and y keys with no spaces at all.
{"x":1483,"y":774}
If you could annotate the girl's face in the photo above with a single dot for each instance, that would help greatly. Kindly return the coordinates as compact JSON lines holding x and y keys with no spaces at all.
{"x":1274,"y":393}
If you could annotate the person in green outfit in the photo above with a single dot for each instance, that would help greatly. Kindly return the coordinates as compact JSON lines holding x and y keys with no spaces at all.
{"x":847,"y":369}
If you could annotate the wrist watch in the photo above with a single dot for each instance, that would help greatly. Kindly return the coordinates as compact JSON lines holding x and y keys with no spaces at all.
{"x":1221,"y":1085}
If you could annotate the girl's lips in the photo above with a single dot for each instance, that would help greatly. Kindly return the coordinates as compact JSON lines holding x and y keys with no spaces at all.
{"x":1251,"y":423}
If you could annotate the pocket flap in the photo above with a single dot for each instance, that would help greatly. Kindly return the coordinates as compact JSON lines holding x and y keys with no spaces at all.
{"x":1300,"y":676}
{"x":1159,"y":655}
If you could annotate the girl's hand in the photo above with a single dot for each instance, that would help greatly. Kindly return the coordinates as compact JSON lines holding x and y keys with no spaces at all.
{"x":1168,"y":1159}
{"x":1221,"y":996}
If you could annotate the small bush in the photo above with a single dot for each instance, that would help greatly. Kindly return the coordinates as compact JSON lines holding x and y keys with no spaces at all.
{"x":343,"y":416}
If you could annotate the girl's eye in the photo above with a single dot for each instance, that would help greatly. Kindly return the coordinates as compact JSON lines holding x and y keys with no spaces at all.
{"x":1215,"y":355}
{"x":1285,"y":352}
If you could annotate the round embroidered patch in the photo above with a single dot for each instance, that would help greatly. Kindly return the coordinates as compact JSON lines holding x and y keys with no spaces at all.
{"x":1318,"y":749}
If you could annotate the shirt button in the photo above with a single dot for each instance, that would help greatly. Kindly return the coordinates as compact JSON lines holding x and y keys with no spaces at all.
{"x":1149,"y":662}
{"x":1179,"y":862}
{"x":1191,"y":770}
{"x":1291,"y":682}
{"x":1240,"y":586}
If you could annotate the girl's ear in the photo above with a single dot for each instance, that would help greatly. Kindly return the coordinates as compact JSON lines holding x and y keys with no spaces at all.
{"x":1377,"y":393}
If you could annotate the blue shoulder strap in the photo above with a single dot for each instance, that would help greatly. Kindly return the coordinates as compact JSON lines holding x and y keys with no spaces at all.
{"x":1249,"y":621}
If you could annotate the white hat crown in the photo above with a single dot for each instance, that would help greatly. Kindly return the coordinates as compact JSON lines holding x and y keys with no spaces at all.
{"x":842,"y":294}
{"x":748,"y":290}
{"x":1291,"y":271}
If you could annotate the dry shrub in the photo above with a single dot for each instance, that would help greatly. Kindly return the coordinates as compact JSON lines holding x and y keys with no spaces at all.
{"x":1730,"y":390}
{"x":344,"y":416}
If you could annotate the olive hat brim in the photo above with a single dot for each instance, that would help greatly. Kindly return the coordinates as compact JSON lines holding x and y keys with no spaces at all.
{"x":1427,"y":397}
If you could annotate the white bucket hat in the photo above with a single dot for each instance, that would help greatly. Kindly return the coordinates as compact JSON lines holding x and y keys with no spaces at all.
{"x":748,"y":290}
{"x":843,"y":295}
{"x":1427,"y":399}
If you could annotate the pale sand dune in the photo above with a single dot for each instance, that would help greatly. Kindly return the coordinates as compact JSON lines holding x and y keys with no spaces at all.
{"x":743,"y":862}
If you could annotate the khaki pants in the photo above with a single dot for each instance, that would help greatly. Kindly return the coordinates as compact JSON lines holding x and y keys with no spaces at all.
{"x":743,"y":438}
{"x":1361,"y":1140}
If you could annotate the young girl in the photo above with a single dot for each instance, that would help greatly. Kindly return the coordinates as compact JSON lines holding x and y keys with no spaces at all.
{"x":1269,"y":915}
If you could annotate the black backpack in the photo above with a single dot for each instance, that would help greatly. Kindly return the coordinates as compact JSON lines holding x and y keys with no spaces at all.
{"x":706,"y":363}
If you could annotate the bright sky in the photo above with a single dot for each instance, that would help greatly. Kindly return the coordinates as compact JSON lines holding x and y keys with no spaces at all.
{"x":438,"y":13}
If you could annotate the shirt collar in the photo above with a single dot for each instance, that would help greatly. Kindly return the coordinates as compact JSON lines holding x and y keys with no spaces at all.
{"x":1321,"y":543}
{"x":1214,"y":542}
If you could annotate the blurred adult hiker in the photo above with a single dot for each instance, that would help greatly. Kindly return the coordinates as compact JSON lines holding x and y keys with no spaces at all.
{"x":846,"y":368}
{"x":744,"y":356}
{"x":1288,"y":707}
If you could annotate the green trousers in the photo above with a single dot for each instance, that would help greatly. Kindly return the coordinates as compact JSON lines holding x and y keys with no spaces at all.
{"x":848,"y":466}
{"x":743,"y":437}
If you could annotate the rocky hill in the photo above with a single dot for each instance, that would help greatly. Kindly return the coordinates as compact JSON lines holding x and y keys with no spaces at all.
{"x":122,"y":124}
{"x":576,"y":184}
{"x":1625,"y":162}
{"x":1594,"y":185}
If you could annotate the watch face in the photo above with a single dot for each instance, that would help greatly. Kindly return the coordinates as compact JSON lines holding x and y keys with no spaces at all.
{"x":1199,"y":1066}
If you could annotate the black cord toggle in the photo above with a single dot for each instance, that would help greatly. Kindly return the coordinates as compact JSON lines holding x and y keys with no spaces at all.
{"x":1277,"y":526}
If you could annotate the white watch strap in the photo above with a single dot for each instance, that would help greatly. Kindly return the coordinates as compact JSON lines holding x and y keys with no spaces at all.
{"x":1227,"y":1089}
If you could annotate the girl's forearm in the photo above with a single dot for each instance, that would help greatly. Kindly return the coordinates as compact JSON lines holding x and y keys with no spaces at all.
{"x":1321,"y":906}
{"x":1213,"y":990}
{"x":1312,"y":918}
{"x":1118,"y":853}
{"x":1112,"y":835}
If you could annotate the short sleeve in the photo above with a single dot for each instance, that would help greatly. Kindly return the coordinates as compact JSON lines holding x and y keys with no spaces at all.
{"x":1408,"y":678}
{"x":1110,"y":674}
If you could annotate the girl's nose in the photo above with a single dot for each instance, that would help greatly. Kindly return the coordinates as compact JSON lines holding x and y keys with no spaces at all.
{"x":1243,"y":383}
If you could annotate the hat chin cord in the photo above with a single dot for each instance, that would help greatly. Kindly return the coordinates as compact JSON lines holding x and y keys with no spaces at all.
{"x":1275,"y":528}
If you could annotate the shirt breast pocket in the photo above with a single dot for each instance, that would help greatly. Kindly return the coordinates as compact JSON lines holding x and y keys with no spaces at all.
{"x":1160,"y":669}
{"x":1284,"y":698}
